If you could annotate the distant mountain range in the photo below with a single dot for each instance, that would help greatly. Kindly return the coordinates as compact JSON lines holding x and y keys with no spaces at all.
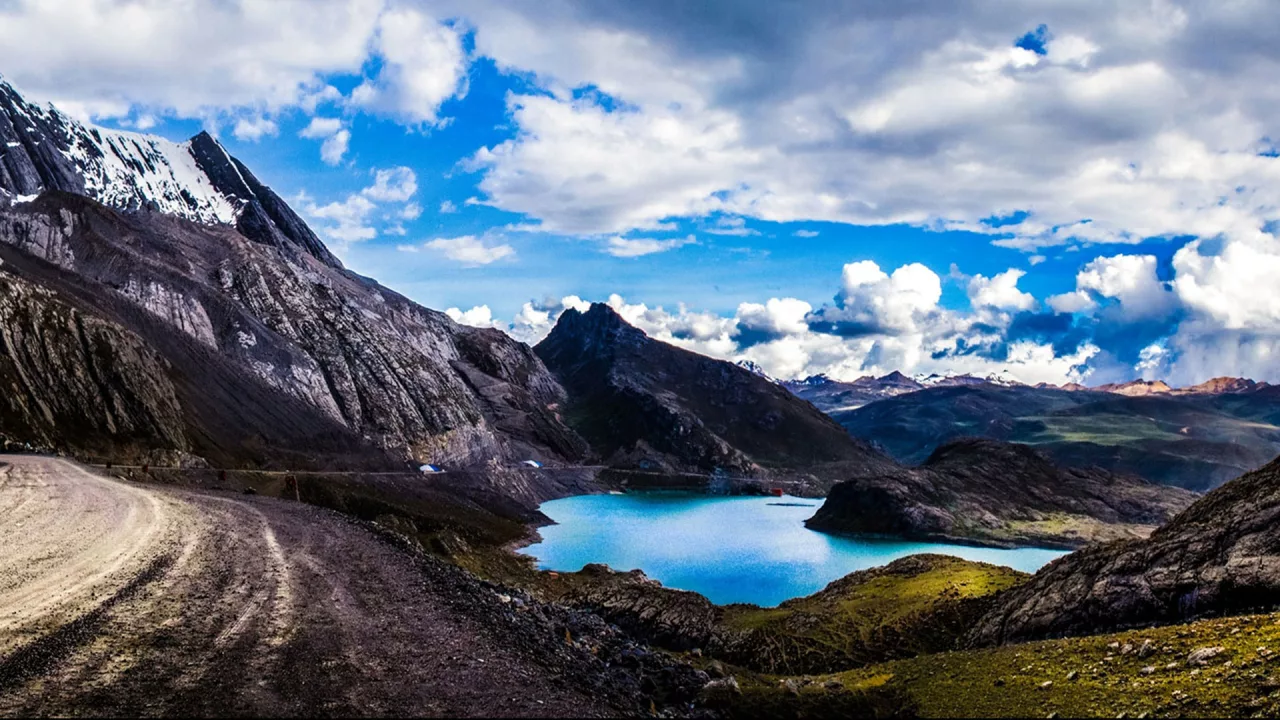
{"x":1195,"y":440}
{"x":833,"y":395}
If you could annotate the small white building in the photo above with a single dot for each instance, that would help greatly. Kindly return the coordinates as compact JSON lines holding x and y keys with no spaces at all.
{"x":532,"y":463}
{"x":429,"y":469}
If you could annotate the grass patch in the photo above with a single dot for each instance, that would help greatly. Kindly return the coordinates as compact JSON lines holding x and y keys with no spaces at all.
{"x":1100,"y":676}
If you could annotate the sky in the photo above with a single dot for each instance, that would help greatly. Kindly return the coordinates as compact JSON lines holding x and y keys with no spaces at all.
{"x":1060,"y":190}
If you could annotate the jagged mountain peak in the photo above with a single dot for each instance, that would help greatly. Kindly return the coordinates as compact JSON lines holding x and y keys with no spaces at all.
{"x":599,"y":325}
{"x":42,"y":148}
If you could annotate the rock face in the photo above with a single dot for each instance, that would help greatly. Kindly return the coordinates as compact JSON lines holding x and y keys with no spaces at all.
{"x":647,"y":405}
{"x":1001,"y":493}
{"x":73,"y":380}
{"x":275,"y":353}
{"x":1221,"y":555}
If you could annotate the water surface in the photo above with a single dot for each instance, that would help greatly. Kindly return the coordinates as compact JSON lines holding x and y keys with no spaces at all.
{"x":730,"y":549}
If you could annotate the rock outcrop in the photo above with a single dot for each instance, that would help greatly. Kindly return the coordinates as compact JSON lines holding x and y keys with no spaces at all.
{"x":1221,"y":555}
{"x":74,"y":381}
{"x":978,"y":490}
{"x":647,"y":405}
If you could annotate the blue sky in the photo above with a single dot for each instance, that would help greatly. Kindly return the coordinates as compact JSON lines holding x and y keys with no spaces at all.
{"x":1062,"y":191}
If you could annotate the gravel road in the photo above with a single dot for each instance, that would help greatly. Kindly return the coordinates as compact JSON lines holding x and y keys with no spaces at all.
{"x":123,"y":599}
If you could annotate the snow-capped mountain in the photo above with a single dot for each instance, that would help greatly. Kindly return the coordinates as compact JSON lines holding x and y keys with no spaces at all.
{"x":755,"y":368}
{"x":42,"y":148}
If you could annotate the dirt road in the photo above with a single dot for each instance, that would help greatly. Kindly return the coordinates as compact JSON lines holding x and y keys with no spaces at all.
{"x":120,"y":599}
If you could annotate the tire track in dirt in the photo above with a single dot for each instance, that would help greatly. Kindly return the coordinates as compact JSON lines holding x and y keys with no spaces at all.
{"x":146,"y":600}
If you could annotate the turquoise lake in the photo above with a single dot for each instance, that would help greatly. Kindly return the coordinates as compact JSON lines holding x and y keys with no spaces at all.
{"x":730,"y":549}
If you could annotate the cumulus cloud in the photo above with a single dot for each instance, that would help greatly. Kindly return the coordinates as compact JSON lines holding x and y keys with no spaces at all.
{"x":469,"y":250}
{"x":479,"y":316}
{"x":1000,"y":291}
{"x":423,"y":64}
{"x":878,"y":322}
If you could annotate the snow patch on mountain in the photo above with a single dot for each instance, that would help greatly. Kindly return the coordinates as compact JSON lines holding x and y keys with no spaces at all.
{"x":125,"y":170}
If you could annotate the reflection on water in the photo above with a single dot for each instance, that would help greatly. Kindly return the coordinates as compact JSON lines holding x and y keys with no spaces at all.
{"x":730,"y":549}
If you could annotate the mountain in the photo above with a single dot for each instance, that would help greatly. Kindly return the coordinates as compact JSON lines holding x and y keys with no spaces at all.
{"x":196,"y":180}
{"x":1224,"y":386}
{"x":832,"y":396}
{"x":1220,"y":556}
{"x":158,"y":298}
{"x":1136,"y":388}
{"x":755,"y":368}
{"x":998,"y":493}
{"x":644,"y":404}
{"x":1196,"y":441}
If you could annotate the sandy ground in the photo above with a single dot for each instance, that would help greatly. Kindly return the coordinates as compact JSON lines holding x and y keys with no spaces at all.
{"x":122,"y":599}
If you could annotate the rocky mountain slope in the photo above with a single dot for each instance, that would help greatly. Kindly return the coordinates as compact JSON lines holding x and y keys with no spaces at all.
{"x":1221,"y":555}
{"x":1000,"y":493}
{"x":1193,"y":440}
{"x":246,"y":339}
{"x":643,"y":404}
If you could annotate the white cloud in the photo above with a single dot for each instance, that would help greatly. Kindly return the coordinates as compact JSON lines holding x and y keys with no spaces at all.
{"x":1071,"y":302}
{"x":193,"y":58}
{"x":351,"y":219}
{"x":727,"y":225}
{"x":448,"y":207}
{"x":423,"y":65}
{"x":1140,"y":120}
{"x":251,"y":129}
{"x":334,"y":147}
{"x":637,"y":247}
{"x":785,"y":316}
{"x":806,"y":233}
{"x":396,"y":184}
{"x":320,"y":128}
{"x":616,"y":171}
{"x":347,"y":219}
{"x":1000,"y":291}
{"x":1130,"y":279}
{"x":411,"y":211}
{"x":470,"y":250}
{"x":335,"y":137}
{"x":479,"y":316}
